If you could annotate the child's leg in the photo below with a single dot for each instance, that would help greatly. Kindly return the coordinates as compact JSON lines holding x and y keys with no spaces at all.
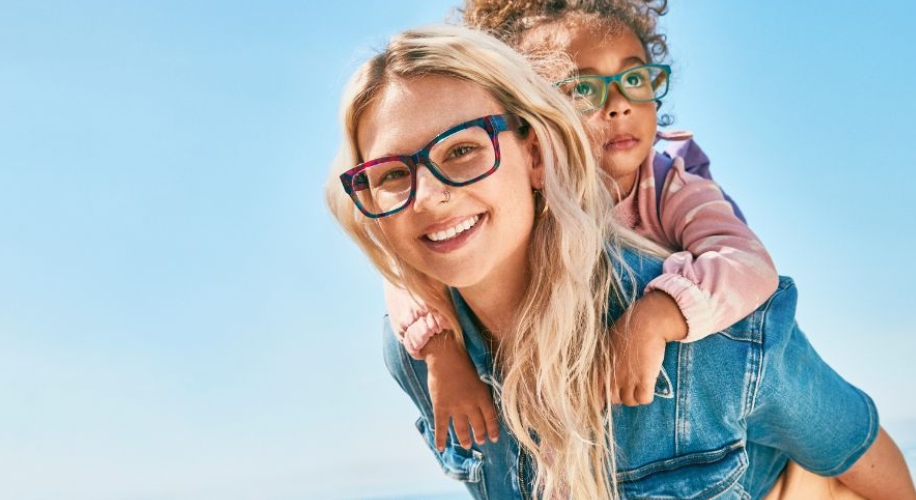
{"x":881,"y":473}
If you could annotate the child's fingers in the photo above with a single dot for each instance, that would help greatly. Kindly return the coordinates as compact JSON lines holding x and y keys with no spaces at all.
{"x":433,"y":322}
{"x":441,"y":429}
{"x":626,"y":397}
{"x":615,"y":391}
{"x":478,"y":426}
{"x":462,"y":432}
{"x":491,"y":421}
{"x":644,"y":394}
{"x":415,"y":338}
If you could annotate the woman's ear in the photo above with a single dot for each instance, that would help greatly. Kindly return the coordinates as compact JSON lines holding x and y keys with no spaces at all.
{"x":536,"y":162}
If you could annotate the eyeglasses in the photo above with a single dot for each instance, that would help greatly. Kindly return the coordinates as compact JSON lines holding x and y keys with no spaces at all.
{"x":462,"y":155}
{"x":640,"y":84}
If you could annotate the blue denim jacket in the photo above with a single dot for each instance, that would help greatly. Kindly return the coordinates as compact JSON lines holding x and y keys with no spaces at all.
{"x":729,"y":412}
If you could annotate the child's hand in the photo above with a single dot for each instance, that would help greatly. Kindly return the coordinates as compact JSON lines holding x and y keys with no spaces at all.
{"x":417,"y":335}
{"x":458,"y":395}
{"x":640,"y":353}
{"x":639,"y":339}
{"x":412,"y":322}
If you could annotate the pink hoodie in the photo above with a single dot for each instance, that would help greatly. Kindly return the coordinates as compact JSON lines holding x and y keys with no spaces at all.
{"x":719,"y":271}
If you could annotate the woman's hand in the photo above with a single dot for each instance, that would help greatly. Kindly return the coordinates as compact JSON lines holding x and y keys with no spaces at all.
{"x":458,"y":395}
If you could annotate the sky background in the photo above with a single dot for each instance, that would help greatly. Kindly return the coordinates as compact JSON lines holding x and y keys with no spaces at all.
{"x":180,"y":318}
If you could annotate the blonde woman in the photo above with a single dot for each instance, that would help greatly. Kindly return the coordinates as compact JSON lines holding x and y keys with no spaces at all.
{"x":467,"y":180}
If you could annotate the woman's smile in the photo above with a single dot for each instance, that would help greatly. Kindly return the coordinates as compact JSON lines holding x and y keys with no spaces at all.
{"x":453,"y":231}
{"x":478,"y":235}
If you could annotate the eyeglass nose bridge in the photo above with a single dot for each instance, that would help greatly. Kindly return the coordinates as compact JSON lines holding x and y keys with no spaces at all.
{"x":414,"y":162}
{"x":423,"y":158}
{"x":608,"y":80}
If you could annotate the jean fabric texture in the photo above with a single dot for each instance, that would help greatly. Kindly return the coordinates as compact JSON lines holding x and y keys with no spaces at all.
{"x":729,"y":411}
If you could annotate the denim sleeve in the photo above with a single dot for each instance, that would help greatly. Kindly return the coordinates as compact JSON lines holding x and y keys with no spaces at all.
{"x":409,"y":373}
{"x":802,"y":406}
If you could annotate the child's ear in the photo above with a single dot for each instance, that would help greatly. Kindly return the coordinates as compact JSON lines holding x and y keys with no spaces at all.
{"x":536,"y":162}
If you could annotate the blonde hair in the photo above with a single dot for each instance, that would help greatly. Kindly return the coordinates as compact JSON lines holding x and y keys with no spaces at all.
{"x":556,"y":362}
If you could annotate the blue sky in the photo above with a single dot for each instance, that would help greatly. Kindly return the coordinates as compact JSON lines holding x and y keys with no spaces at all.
{"x":180,"y":318}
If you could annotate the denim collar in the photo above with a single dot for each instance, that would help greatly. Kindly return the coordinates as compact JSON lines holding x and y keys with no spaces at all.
{"x":482,"y":357}
{"x":476,"y":345}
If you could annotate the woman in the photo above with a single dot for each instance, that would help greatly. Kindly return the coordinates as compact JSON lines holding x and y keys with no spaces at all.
{"x":467,"y":179}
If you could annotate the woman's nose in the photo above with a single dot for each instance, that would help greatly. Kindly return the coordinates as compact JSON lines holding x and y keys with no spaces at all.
{"x":430,"y":190}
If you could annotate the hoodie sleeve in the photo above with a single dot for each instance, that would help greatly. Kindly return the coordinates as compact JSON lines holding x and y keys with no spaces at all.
{"x":720,"y":271}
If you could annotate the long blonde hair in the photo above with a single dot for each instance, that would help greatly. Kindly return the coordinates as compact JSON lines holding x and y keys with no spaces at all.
{"x":555,"y":363}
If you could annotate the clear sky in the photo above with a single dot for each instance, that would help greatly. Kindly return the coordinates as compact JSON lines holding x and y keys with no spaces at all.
{"x":181,"y":319}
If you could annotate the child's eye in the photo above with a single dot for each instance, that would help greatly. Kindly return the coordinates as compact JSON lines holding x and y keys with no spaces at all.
{"x":635,"y":79}
{"x":583,"y":89}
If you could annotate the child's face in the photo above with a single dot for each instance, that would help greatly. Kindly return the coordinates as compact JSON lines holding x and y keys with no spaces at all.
{"x":622,"y":132}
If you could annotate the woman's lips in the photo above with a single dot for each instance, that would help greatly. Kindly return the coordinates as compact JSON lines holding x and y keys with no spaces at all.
{"x":453,"y":238}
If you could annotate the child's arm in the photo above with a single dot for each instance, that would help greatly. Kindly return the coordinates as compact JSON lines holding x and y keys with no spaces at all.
{"x":458,"y":395}
{"x":881,"y":473}
{"x":721,"y":274}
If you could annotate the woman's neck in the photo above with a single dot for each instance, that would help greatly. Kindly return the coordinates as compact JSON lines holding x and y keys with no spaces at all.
{"x":496,"y":300}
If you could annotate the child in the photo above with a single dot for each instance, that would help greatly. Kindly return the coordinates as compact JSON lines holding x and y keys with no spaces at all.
{"x":719,"y":271}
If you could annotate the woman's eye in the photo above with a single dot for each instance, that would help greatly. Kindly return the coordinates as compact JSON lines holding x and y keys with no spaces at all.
{"x":461,"y":150}
{"x":394,"y":175}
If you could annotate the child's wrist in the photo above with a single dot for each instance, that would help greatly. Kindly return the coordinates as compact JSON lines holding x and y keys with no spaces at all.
{"x":438,"y":347}
{"x":668,"y":321}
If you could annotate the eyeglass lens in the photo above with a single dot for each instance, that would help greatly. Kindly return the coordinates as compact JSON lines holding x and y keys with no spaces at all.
{"x":641,"y":84}
{"x":459,"y":157}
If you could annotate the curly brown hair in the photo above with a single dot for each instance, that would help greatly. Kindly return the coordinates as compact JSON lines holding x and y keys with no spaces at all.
{"x":535,"y":27}
{"x":520,"y":23}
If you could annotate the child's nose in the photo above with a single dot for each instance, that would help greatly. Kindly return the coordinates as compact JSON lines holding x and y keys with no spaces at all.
{"x":617,"y":104}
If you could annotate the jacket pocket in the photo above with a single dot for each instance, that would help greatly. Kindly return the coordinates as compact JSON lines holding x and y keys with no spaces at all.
{"x":694,"y":476}
{"x":456,"y":462}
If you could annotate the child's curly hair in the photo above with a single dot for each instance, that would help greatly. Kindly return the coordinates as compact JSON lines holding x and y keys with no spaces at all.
{"x":535,"y":27}
{"x":518,"y":21}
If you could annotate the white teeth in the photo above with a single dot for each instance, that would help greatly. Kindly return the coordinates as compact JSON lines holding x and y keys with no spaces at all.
{"x":454,"y":230}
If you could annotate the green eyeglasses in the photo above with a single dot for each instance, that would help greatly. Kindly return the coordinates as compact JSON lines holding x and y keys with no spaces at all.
{"x":640,"y":84}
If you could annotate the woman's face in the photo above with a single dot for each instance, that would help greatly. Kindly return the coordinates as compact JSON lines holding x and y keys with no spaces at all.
{"x":623,"y":132}
{"x":475,"y":235}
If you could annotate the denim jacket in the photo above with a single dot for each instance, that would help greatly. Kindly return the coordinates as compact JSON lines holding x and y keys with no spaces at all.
{"x":729,"y":411}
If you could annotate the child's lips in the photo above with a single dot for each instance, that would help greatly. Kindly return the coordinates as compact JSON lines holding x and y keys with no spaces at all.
{"x":621,"y":143}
